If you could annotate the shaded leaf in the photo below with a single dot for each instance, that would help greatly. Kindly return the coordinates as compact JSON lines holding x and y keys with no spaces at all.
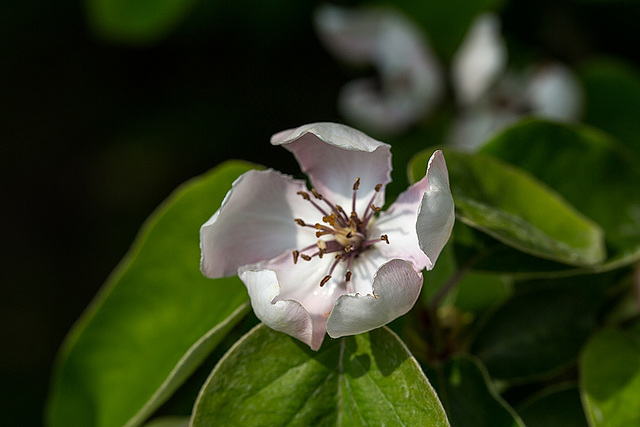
{"x":154,"y":321}
{"x":271,"y":379}
{"x":554,"y":407}
{"x":610,"y":371}
{"x":468,"y":396}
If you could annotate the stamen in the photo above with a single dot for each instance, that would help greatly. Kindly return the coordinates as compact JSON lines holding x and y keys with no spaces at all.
{"x":348,"y":248}
{"x":305,"y":257}
{"x":385,"y":238}
{"x":330,"y":219}
{"x":304,"y":195}
{"x":347,"y":276}
{"x":324,"y":281}
{"x":367,"y":215}
{"x":316,"y":194}
{"x":300,"y":222}
{"x":378,"y":187}
{"x":296,"y":254}
{"x":322,"y":245}
{"x":375,"y":208}
{"x":356,"y":184}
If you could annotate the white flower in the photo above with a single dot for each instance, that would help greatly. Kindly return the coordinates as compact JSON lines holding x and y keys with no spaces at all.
{"x":325,"y":259}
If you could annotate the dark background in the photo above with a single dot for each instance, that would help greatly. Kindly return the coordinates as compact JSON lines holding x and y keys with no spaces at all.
{"x":95,"y":133}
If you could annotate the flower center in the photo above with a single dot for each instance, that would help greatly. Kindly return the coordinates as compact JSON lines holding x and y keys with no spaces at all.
{"x":346,"y":235}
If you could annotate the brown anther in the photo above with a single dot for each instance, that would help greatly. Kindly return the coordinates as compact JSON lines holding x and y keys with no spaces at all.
{"x":304,"y":195}
{"x":356,"y":184}
{"x":316,"y":194}
{"x":339,"y":256}
{"x":349,"y":234}
{"x":305,"y":257}
{"x":296,"y":254}
{"x":348,"y":248}
{"x":321,"y":233}
{"x":347,"y":276}
{"x":385,"y":238}
{"x":322,"y":245}
{"x":339,"y":208}
{"x":330,"y":219}
{"x":321,"y":253}
{"x":300,"y":222}
{"x":378,"y":187}
{"x":375,"y":208}
{"x":324,"y":281}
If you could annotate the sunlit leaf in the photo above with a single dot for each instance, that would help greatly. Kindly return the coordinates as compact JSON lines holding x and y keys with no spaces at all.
{"x":155,"y":320}
{"x":271,"y":379}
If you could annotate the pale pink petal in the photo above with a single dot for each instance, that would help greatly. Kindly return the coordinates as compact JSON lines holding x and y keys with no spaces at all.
{"x":411,"y":81}
{"x":300,"y":283}
{"x":396,"y":288}
{"x":284,"y":316}
{"x":480,"y":60}
{"x":255,"y":223}
{"x":334,"y":155}
{"x":436,"y":213}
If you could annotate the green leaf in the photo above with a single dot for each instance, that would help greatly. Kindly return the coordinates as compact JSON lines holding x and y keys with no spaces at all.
{"x":610,"y":372}
{"x":154,"y":321}
{"x":540,"y":330}
{"x":590,"y":170}
{"x":169,"y":422}
{"x":515,"y":208}
{"x":557,"y":406}
{"x":271,"y":379}
{"x":613,"y":100}
{"x":468,"y":396}
{"x":136,"y":21}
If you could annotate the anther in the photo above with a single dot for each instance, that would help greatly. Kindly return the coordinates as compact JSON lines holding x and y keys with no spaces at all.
{"x":375,"y":208}
{"x":316,"y":194}
{"x":305,"y":257}
{"x":356,"y":184}
{"x":330,"y":219}
{"x":300,"y":222}
{"x":385,"y":238}
{"x":378,"y":187}
{"x":347,"y":276}
{"x":324,"y":281}
{"x":304,"y":195}
{"x":348,"y":248}
{"x":296,"y":254}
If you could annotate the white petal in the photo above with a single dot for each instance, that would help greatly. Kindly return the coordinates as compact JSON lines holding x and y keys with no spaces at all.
{"x":554,"y":93}
{"x":334,"y":155}
{"x":255,"y":223}
{"x":480,"y":60}
{"x":396,"y":288}
{"x":284,"y":316}
{"x":411,"y":77}
{"x":436,"y":212}
{"x":399,"y":224}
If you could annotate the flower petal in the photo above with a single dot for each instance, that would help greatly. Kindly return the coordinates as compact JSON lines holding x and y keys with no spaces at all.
{"x":436,"y":213}
{"x":298,"y":287}
{"x":255,"y":223}
{"x":396,"y":287}
{"x":554,"y":92}
{"x":480,"y":60}
{"x":334,"y":155}
{"x":284,"y":316}
{"x":412,"y":81}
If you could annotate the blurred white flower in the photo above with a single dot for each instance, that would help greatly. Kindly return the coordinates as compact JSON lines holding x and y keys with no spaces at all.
{"x":410,"y":80}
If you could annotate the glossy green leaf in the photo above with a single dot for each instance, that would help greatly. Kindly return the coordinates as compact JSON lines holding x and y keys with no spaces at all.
{"x":169,"y":422}
{"x":613,"y":100}
{"x":558,"y":406}
{"x":136,"y":21}
{"x":271,"y":379}
{"x":610,"y":371}
{"x":589,"y":169}
{"x":468,"y":395}
{"x":540,"y":330}
{"x":515,"y":208}
{"x":154,"y":321}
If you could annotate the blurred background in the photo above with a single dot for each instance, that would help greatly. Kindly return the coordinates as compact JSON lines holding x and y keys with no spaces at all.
{"x":107,"y":105}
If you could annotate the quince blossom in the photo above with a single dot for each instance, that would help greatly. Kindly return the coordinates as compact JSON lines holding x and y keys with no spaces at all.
{"x":328,"y":260}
